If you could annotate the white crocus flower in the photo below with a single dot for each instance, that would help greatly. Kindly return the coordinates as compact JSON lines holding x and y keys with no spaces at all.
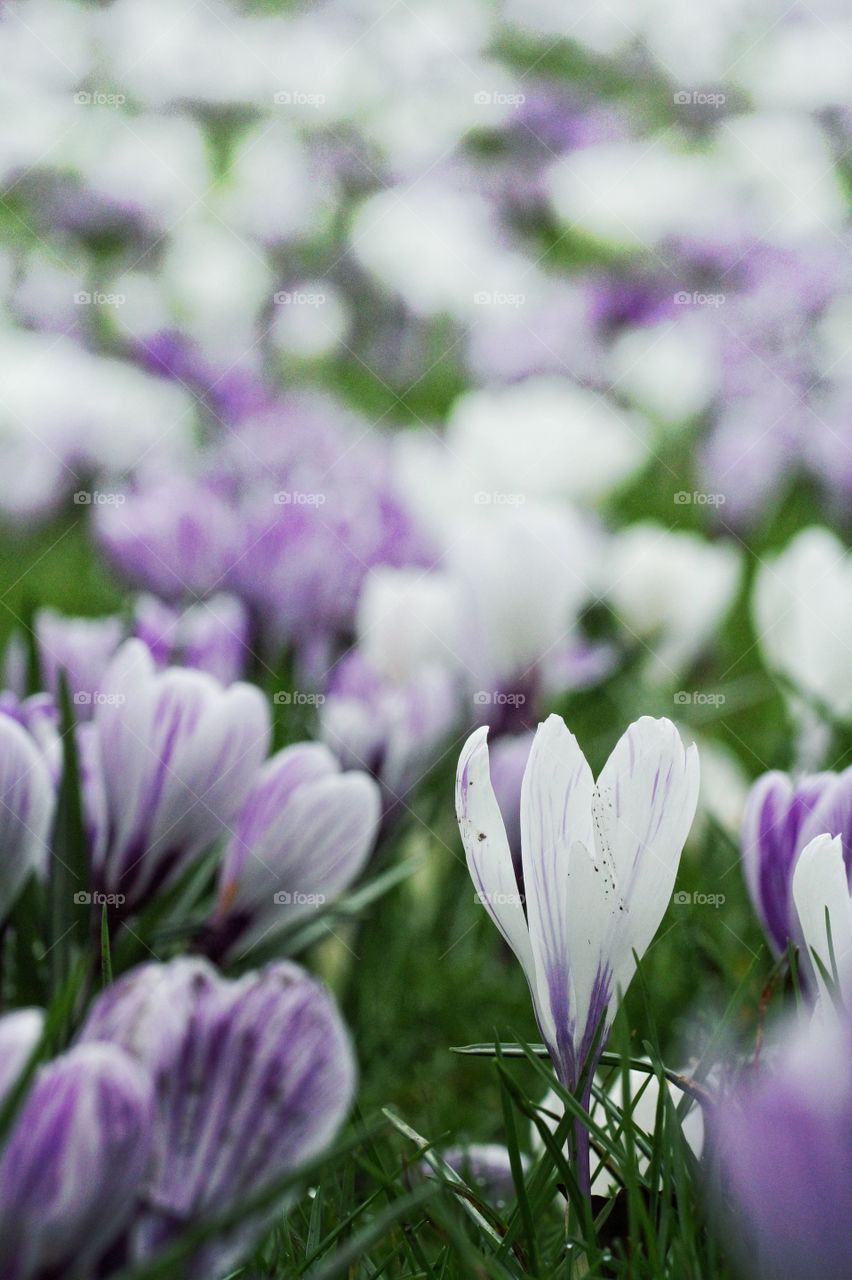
{"x":822,"y":900}
{"x":598,"y":866}
{"x":803,"y":616}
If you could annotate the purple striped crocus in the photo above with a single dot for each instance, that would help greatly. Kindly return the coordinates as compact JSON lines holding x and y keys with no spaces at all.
{"x":783,"y":1140}
{"x":599,"y":863}
{"x":303,"y":834}
{"x":73,"y":1163}
{"x":782,"y":815}
{"x":821,"y":895}
{"x":26,"y":810}
{"x":169,"y":760}
{"x":252,"y":1078}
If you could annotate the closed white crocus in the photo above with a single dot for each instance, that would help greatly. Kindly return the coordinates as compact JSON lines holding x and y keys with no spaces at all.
{"x":822,"y":900}
{"x":598,"y":861}
{"x":671,"y":591}
{"x":803,"y":616}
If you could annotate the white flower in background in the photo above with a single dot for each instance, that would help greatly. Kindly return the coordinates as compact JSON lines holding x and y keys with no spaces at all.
{"x":599,"y":862}
{"x":671,"y":590}
{"x":668,"y":370}
{"x":724,"y":787}
{"x":544,"y":437}
{"x":801,"y":64}
{"x":822,"y":899}
{"x":408,"y":619}
{"x":802,"y":609}
{"x":272,"y":189}
{"x":313,"y":322}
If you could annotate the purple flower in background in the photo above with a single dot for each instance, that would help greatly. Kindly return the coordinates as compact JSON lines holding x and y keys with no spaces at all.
{"x":174,"y":535}
{"x":599,"y":864}
{"x":782,"y":815}
{"x":252,"y":1078}
{"x":303,"y":834}
{"x":73,"y":1162}
{"x":508,"y":757}
{"x":394,"y":729}
{"x":211,"y":636}
{"x":26,"y":810}
{"x":783,"y":1140}
{"x":169,"y":760}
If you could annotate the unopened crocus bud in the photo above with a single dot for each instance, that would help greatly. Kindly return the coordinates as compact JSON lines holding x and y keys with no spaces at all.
{"x":25,"y":813}
{"x":253,"y":1077}
{"x":82,"y":648}
{"x":172,"y":757}
{"x":303,"y":834}
{"x":783,"y":1141}
{"x":782,"y":815}
{"x":73,"y":1163}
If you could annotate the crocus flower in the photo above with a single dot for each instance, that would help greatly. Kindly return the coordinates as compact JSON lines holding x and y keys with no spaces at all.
{"x":803,"y":615}
{"x":212,"y":635}
{"x":20,"y":1032}
{"x":302,"y":835}
{"x":783,"y":1141}
{"x":170,"y":760}
{"x":599,"y":863}
{"x":81,"y":647}
{"x":73,"y":1163}
{"x":252,"y":1078}
{"x":26,"y":809}
{"x":822,"y":897}
{"x":782,"y":815}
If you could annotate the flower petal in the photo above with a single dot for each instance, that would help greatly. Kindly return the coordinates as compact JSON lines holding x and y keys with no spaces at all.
{"x":820,"y":885}
{"x":489,"y":859}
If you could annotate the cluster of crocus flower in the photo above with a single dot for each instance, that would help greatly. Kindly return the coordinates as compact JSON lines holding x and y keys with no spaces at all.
{"x":183,"y":1098}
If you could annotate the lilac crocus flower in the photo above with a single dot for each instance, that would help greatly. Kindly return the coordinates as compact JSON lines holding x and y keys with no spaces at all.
{"x":212,"y":635}
{"x":73,"y":1163}
{"x":599,"y":863}
{"x":169,"y":758}
{"x":782,"y":815}
{"x":821,"y":894}
{"x":26,"y":810}
{"x":252,"y":1078}
{"x":783,"y":1141}
{"x":303,"y":834}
